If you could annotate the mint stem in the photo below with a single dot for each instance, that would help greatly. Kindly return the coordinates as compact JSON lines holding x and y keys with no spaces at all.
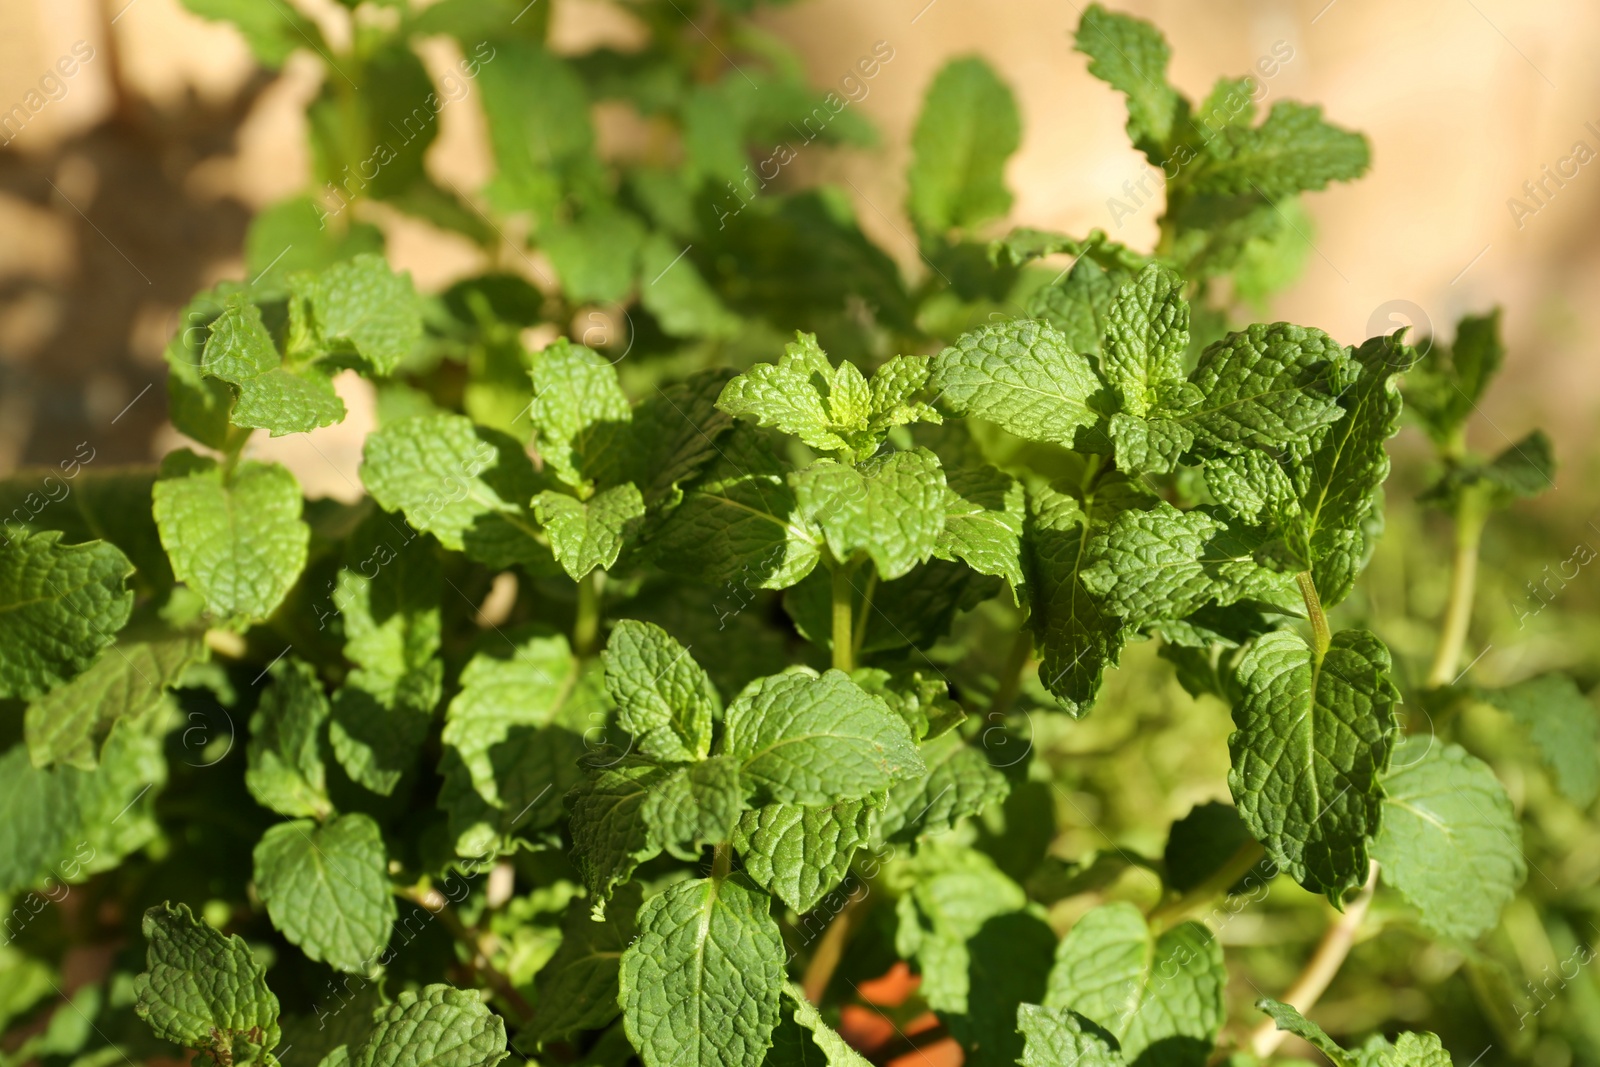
{"x":586,"y":625}
{"x":1470,"y":517}
{"x":843,"y":647}
{"x":721,"y":861}
{"x":1321,"y":636}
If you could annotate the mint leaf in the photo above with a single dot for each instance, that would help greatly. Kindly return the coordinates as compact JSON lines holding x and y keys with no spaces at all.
{"x":1313,"y":738}
{"x":961,"y":780}
{"x":799,"y":854}
{"x":1160,"y":996}
{"x":362,"y":305}
{"x":69,"y":724}
{"x":954,"y":893}
{"x":1023,"y":375}
{"x":272,"y":35}
{"x":1449,"y":839}
{"x":968,"y":128}
{"x":1131,"y":56}
{"x":804,"y":739}
{"x":577,"y":989}
{"x":1447,"y":383}
{"x":836,"y":1052}
{"x":664,"y":698}
{"x":1293,"y":151}
{"x":59,"y":606}
{"x":235,"y":537}
{"x":677,"y":295}
{"x":1054,"y":1036}
{"x":579,"y":409}
{"x":676,"y":434}
{"x":286,"y":769}
{"x":327,"y":888}
{"x":891,"y":509}
{"x":204,"y":991}
{"x":1563,"y":725}
{"x":594,"y":253}
{"x":701,"y":984}
{"x":1079,"y":304}
{"x":272,"y":395}
{"x":1267,"y":386}
{"x":436,"y":1026}
{"x":586,"y":534}
{"x":1147,"y":333}
{"x":467,"y":485}
{"x":1290,"y":1019}
{"x":985,"y":512}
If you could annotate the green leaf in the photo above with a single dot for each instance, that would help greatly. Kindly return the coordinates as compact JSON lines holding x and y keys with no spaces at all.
{"x":738,"y":523}
{"x":968,"y":128}
{"x":1313,"y":738}
{"x":204,"y":991}
{"x":579,"y":409}
{"x":59,"y":606}
{"x":1131,"y":56}
{"x":1147,"y":334}
{"x":1288,"y":1018}
{"x":892,"y":509}
{"x":586,"y":534}
{"x":1079,"y":303}
{"x":272,"y":34}
{"x":1293,"y":151}
{"x":1160,"y":996}
{"x":435,"y":1027}
{"x":69,"y":724}
{"x":1563,"y":725}
{"x":677,"y":295}
{"x":811,"y":740}
{"x":286,"y":770}
{"x":836,"y":1052}
{"x":1023,"y":375}
{"x":577,"y":989}
{"x":467,"y":485}
{"x":539,"y":130}
{"x":955,"y":892}
{"x":1202,"y":841}
{"x":293,"y":235}
{"x":594,"y":254}
{"x":1267,"y":386}
{"x":327,"y":889}
{"x":961,"y":780}
{"x":380,"y":723}
{"x":664,"y":698}
{"x":1447,"y":383}
{"x":1056,"y":1036}
{"x":701,"y":985}
{"x":1450,"y":841}
{"x":236,"y":538}
{"x":676,"y":433}
{"x":363,"y":305}
{"x":799,"y":854}
{"x":273,"y":395}
{"x":985,"y":512}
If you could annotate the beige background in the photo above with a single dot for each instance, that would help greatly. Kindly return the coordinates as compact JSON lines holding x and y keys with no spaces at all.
{"x":1464,"y":101}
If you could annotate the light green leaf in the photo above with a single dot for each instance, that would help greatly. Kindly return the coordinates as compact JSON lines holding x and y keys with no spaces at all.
{"x":435,"y":1027}
{"x":272,"y":395}
{"x":1267,"y":386}
{"x":579,"y":409}
{"x":235,"y":538}
{"x":286,"y":769}
{"x":1288,"y":1018}
{"x":1160,"y":996}
{"x":1293,"y":151}
{"x":813,"y":740}
{"x":59,"y":606}
{"x":1313,"y":738}
{"x":586,"y":534}
{"x":673,"y":291}
{"x":327,"y":889}
{"x":836,"y":1052}
{"x":1055,"y":1036}
{"x":955,"y":892}
{"x":701,"y":985}
{"x":577,"y":989}
{"x":892,"y":509}
{"x":800,"y":854}
{"x":203,"y":990}
{"x":796,"y":396}
{"x":968,"y":128}
{"x":1131,"y":56}
{"x":1563,"y":725}
{"x":594,"y":254}
{"x":985,"y":512}
{"x":1023,"y":375}
{"x":363,"y":304}
{"x":1147,"y":333}
{"x":1079,"y":304}
{"x":664,"y":698}
{"x":961,"y":780}
{"x":1450,"y":841}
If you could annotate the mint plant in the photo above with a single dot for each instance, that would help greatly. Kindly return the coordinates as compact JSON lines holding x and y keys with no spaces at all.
{"x":646,"y":708}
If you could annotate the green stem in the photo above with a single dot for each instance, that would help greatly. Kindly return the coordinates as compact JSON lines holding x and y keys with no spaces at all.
{"x":721,"y":861}
{"x":843,"y":647}
{"x":1321,"y":636}
{"x":1470,"y":517}
{"x":1233,"y":868}
{"x":830,"y":950}
{"x":586,"y":624}
{"x":860,"y":635}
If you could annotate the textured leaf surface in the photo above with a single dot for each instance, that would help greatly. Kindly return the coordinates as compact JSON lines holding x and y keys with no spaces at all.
{"x":362,"y":303}
{"x":955,"y":894}
{"x":984,"y":518}
{"x":800,"y":854}
{"x":818,"y":740}
{"x":701,"y":985}
{"x":1563,"y":725}
{"x":585,"y":534}
{"x":1131,"y":56}
{"x":891,"y":509}
{"x":579,"y":408}
{"x":1287,"y":1018}
{"x":1313,"y":738}
{"x":286,"y":757}
{"x":435,"y":1027}
{"x":59,"y":606}
{"x":271,"y":395}
{"x":664,"y":698}
{"x":1055,"y":1036}
{"x":204,"y":990}
{"x":1160,"y":996}
{"x":1450,"y":840}
{"x":1023,"y":375}
{"x":1147,"y":333}
{"x":968,"y":128}
{"x":327,"y":888}
{"x":236,"y":539}
{"x":961,"y":780}
{"x":1293,"y":151}
{"x":1267,"y":386}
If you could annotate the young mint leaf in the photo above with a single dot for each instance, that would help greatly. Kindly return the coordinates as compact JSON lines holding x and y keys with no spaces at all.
{"x":362,"y":304}
{"x":985,"y":512}
{"x":664,"y":699}
{"x":968,"y":128}
{"x":235,"y":537}
{"x":961,"y":780}
{"x":697,"y":804}
{"x":1313,"y":738}
{"x":1160,"y":996}
{"x":922,"y":701}
{"x":467,"y":485}
{"x":59,"y":606}
{"x":380,"y":722}
{"x":595,"y":253}
{"x":1054,"y":1036}
{"x":1449,"y":839}
{"x":1147,"y":334}
{"x":676,"y":433}
{"x":892,"y":509}
{"x":1564,"y":727}
{"x":579,"y":409}
{"x":435,"y":1027}
{"x":586,"y":534}
{"x":272,"y":395}
{"x":69,"y":724}
{"x":286,"y":764}
{"x":804,"y":739}
{"x":577,"y":989}
{"x":1131,"y":56}
{"x":1148,"y":446}
{"x":1293,"y":151}
{"x":1290,"y":1019}
{"x":198,"y":405}
{"x":327,"y":889}
{"x":954,"y":892}
{"x":1268,"y":386}
{"x":204,"y":990}
{"x":738,"y":522}
{"x":1080,"y":303}
{"x":1447,"y":383}
{"x":799,"y":854}
{"x":1025,"y":376}
{"x":701,"y":984}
